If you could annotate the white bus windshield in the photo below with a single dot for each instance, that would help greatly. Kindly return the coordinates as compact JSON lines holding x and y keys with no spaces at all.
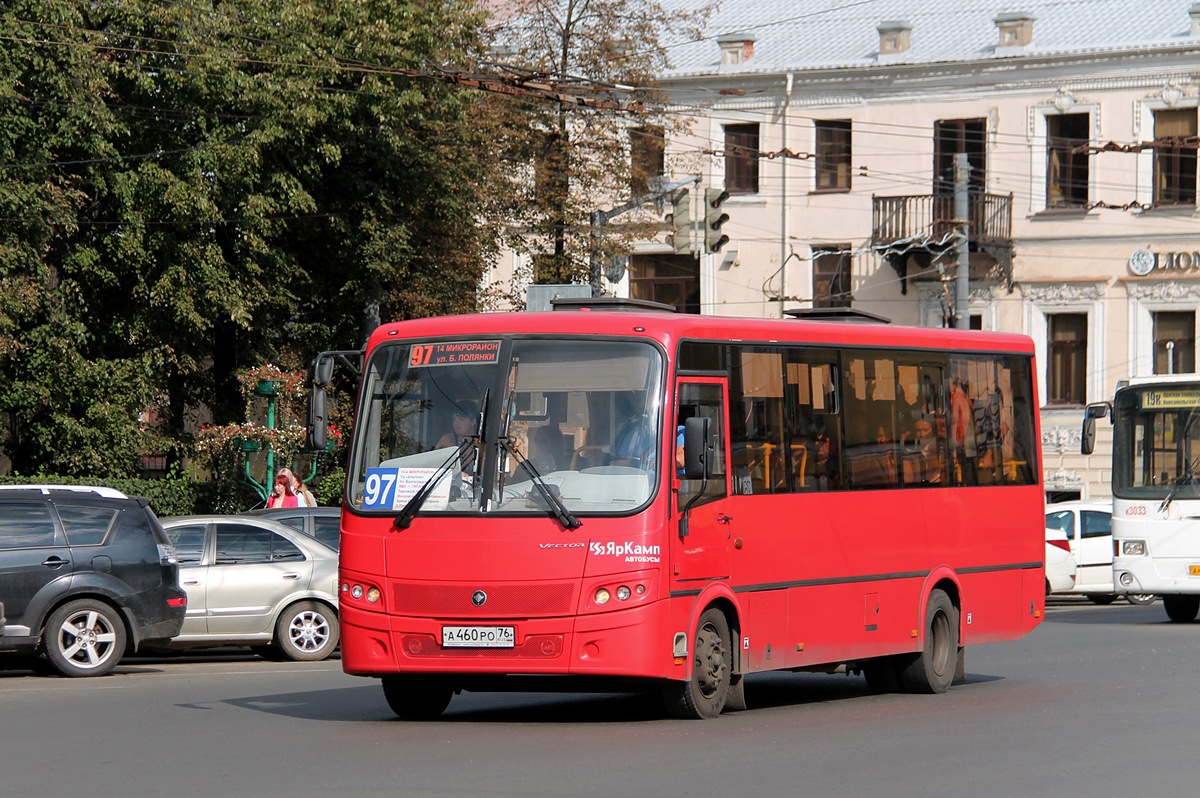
{"x":491,"y":417}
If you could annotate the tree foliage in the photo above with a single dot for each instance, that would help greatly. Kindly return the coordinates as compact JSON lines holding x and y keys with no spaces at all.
{"x":582,"y":153}
{"x":189,"y":189}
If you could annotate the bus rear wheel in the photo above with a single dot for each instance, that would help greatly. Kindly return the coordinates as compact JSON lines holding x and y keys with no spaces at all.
{"x":703,"y":695}
{"x":932,"y":670}
{"x":416,"y":699}
{"x":1181,"y":609}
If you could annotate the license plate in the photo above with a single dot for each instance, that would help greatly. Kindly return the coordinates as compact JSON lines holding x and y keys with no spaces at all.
{"x":1194,"y":570}
{"x":478,"y":637}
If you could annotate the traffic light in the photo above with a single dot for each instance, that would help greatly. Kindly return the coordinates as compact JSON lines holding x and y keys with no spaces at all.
{"x":681,"y":222}
{"x":714,"y":218}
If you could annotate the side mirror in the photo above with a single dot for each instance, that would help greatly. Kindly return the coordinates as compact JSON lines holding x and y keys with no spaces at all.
{"x":317,"y":425}
{"x":1087,"y":443}
{"x":697,"y":448}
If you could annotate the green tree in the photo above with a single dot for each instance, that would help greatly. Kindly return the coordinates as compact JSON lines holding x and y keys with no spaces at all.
{"x":213,"y":185}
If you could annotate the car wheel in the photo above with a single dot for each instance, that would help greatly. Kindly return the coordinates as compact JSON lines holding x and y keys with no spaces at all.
{"x":84,"y":638}
{"x":307,"y":631}
{"x":932,"y":670}
{"x":703,"y":695}
{"x":1181,"y":609}
{"x":1140,"y":599}
{"x":1102,"y":599}
{"x":416,"y":699}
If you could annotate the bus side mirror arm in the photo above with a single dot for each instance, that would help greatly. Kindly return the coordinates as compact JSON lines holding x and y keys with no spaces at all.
{"x":1087,"y":443}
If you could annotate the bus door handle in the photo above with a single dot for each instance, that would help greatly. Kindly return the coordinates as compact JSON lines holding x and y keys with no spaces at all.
{"x":724,"y":519}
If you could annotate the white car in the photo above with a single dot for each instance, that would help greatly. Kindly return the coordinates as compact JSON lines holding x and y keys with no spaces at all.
{"x":1088,"y":527}
{"x":1060,"y":565}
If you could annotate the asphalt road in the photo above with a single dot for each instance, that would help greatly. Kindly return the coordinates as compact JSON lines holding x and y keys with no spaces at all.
{"x":1098,"y":701}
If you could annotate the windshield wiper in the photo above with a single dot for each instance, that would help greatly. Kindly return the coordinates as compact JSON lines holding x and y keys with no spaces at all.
{"x":1184,"y":479}
{"x":547,"y":492}
{"x":413,"y":505}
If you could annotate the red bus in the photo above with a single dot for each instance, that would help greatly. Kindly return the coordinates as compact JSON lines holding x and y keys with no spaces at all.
{"x":613,"y":496}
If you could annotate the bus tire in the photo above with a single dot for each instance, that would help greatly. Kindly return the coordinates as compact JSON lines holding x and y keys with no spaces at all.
{"x":932,"y":670}
{"x":416,"y":699}
{"x":703,"y":695}
{"x":1181,"y":609}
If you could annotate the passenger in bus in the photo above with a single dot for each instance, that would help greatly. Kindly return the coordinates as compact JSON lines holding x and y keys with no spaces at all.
{"x":463,"y":421}
{"x":546,"y":451}
{"x":922,"y":460}
{"x":634,"y":445}
{"x":878,"y":467}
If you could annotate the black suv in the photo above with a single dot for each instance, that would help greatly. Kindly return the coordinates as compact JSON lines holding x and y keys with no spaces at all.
{"x":86,"y":575}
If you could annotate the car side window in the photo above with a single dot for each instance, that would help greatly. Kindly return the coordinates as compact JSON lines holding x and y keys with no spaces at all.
{"x":26,"y":525}
{"x":86,"y":526}
{"x":1096,"y":524}
{"x":328,"y":531}
{"x":296,"y":522}
{"x":1064,"y":520}
{"x":238,"y":544}
{"x":188,"y":542}
{"x":284,"y":550}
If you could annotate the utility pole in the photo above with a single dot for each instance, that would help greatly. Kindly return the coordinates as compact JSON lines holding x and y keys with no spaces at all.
{"x":601,"y":218}
{"x":962,"y":212}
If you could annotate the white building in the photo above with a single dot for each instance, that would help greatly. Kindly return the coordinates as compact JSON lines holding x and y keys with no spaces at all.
{"x":835,"y":127}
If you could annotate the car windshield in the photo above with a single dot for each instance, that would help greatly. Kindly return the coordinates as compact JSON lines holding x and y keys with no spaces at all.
{"x":477,"y":424}
{"x":1157,"y":443}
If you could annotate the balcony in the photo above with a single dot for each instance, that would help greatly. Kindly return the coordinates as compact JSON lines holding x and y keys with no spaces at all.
{"x":924,"y":227}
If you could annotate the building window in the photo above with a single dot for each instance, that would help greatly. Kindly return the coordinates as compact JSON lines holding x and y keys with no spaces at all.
{"x":1174,"y":161}
{"x":1067,"y":347}
{"x":831,"y":278}
{"x":833,"y":155}
{"x":1067,"y":161}
{"x":669,"y":279}
{"x":950,"y":137}
{"x":1174,"y":342}
{"x":741,"y":159}
{"x":647,"y":148}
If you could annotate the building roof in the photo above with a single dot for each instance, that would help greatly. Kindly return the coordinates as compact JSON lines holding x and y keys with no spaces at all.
{"x":823,"y":34}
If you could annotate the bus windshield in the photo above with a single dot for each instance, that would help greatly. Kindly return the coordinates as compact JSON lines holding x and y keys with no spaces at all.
{"x":495,"y":425}
{"x":1157,"y":443}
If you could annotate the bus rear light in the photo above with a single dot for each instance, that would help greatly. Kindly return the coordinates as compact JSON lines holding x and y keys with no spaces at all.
{"x":1059,"y":544}
{"x":1133,"y":548}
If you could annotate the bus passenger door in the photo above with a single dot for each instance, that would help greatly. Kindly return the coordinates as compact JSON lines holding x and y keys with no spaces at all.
{"x":702,"y":554}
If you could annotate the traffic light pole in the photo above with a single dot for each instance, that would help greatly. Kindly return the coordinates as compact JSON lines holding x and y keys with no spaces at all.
{"x":601,"y":218}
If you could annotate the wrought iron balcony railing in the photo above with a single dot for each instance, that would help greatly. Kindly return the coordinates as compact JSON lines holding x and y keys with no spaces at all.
{"x":928,"y":220}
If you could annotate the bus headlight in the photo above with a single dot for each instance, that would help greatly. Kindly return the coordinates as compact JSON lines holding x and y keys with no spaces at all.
{"x":1133,"y":548}
{"x":602,"y":596}
{"x":1126,"y":579}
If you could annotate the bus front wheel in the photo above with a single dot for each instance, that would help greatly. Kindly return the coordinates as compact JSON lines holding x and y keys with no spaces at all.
{"x":932,"y":670}
{"x":415,"y":699}
{"x":703,"y":695}
{"x":1181,"y":609}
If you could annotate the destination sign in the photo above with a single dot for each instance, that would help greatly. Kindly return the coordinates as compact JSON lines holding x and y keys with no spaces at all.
{"x":1171,"y":399}
{"x":457,"y":353}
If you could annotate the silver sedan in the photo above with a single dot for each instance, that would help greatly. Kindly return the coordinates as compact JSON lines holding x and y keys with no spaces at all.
{"x":254,"y":582}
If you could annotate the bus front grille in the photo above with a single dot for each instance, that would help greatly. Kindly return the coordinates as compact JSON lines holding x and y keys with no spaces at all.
{"x":499,"y":600}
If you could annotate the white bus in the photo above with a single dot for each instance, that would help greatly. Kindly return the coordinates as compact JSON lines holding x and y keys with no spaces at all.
{"x":1156,"y":488}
